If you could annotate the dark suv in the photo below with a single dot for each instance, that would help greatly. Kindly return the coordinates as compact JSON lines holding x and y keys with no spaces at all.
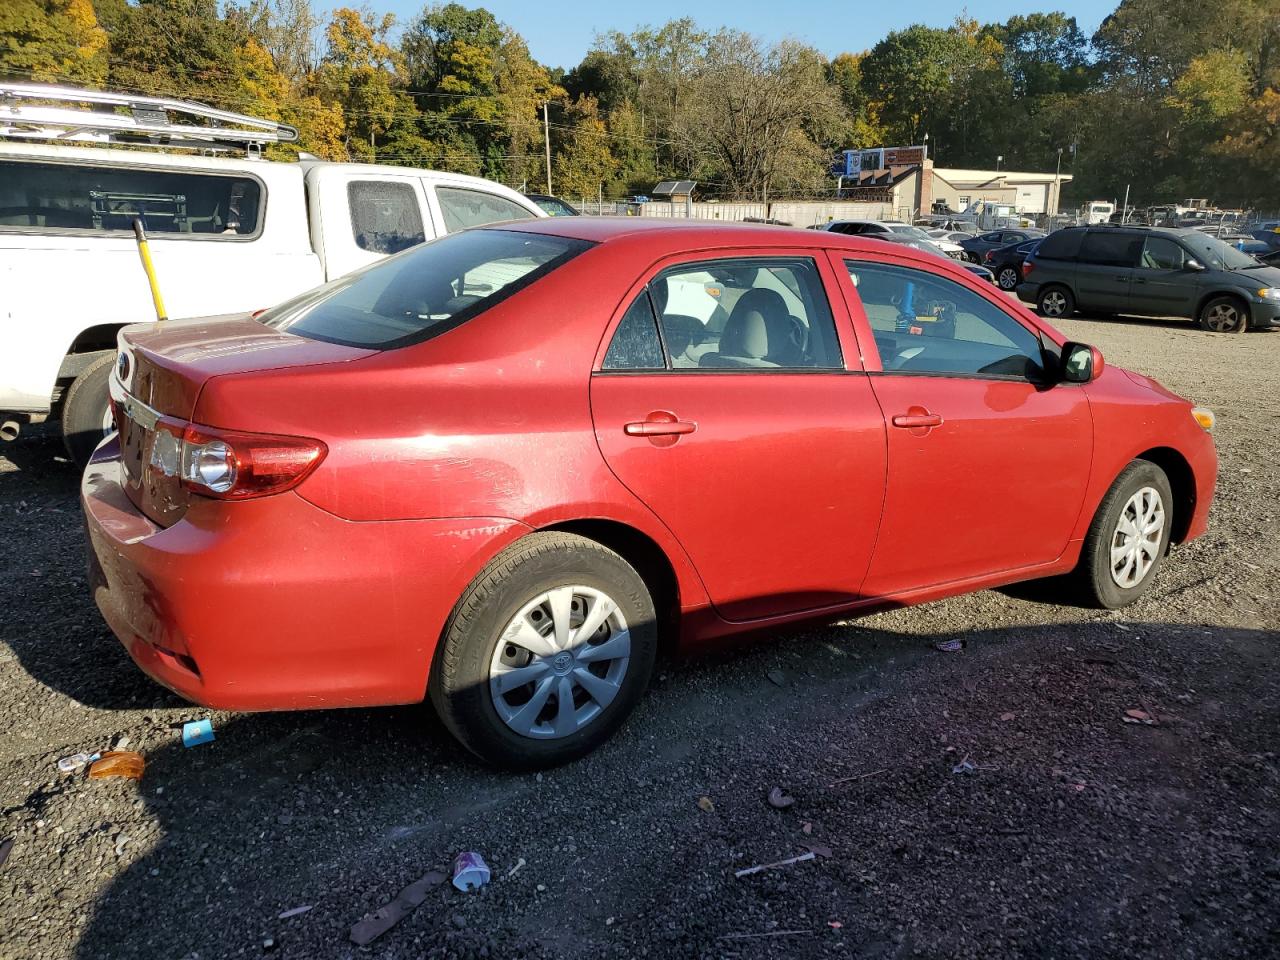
{"x":1154,"y":272}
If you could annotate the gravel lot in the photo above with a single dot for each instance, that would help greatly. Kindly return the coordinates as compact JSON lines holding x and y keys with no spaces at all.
{"x":1077,"y":836}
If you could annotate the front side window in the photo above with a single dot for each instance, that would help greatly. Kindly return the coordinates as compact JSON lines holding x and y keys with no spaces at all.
{"x":750,"y":313}
{"x":1161,"y":253}
{"x":1107,"y":248}
{"x":385,"y":217}
{"x":928,"y":324}
{"x":424,"y":291}
{"x":96,"y":199}
{"x":463,"y":208}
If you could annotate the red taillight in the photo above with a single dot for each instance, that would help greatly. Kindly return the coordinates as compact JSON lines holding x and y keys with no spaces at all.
{"x":1027,"y":266}
{"x":989,"y":256}
{"x":232,"y":465}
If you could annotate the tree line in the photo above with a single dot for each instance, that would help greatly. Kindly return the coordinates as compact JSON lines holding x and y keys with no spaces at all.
{"x":1176,"y":98}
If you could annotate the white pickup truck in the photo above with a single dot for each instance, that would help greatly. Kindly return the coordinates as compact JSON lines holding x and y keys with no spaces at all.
{"x":228,"y":235}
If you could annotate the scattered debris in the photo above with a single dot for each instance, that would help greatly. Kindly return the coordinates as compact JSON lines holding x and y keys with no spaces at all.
{"x":835,"y":924}
{"x":5,"y":849}
{"x":777,"y":678}
{"x":771,"y":933}
{"x":197,"y":732}
{"x":807,"y":828}
{"x":516,"y":869}
{"x":817,"y":849}
{"x":858,"y":776}
{"x":1139,"y":716}
{"x":965,"y":767}
{"x":388,"y":915}
{"x":76,"y":762}
{"x":295,"y":912}
{"x":950,"y":646}
{"x":779,"y":800}
{"x":118,"y":763}
{"x":1006,"y":717}
{"x":121,"y":842}
{"x":470,"y":872}
{"x":705,"y":805}
{"x":745,"y":871}
{"x":122,"y":743}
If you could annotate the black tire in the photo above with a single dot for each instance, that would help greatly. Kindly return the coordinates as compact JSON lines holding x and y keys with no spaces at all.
{"x":1093,"y":575}
{"x":1007,"y":277}
{"x":1055,"y":302}
{"x":84,"y":408}
{"x":1224,"y":315}
{"x":460,"y":678}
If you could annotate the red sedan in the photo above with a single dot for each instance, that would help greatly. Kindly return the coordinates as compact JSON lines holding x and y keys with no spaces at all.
{"x":493,"y":470}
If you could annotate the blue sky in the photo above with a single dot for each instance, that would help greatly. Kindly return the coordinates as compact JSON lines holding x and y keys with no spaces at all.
{"x":559,"y":32}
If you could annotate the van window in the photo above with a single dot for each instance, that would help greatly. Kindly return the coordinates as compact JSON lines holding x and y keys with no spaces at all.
{"x":1060,"y":245}
{"x":464,"y":208}
{"x":1110,"y":248}
{"x":98,"y":199}
{"x":426,"y":290}
{"x":1161,"y":253}
{"x":385,"y":217}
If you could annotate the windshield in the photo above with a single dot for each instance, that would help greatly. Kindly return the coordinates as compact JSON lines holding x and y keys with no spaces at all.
{"x":423,"y":291}
{"x":1212,"y":252}
{"x":555,"y":206}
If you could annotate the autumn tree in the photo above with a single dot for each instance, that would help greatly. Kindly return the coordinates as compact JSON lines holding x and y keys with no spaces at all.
{"x":52,"y":41}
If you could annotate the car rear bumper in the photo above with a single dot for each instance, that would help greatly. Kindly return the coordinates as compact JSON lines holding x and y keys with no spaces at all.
{"x":1027,"y":292}
{"x":275,"y":604}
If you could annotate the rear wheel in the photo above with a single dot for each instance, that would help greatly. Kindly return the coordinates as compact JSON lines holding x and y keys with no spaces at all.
{"x":1224,"y":315}
{"x":1128,"y":538}
{"x":1056,"y":302}
{"x":1007,"y":277}
{"x":547,"y":652}
{"x":86,"y":411}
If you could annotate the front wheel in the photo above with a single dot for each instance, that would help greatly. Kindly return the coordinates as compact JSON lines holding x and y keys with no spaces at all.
{"x":1224,"y":315}
{"x":86,"y":411}
{"x":1128,"y":538}
{"x":546,"y":654}
{"x":1056,"y":302}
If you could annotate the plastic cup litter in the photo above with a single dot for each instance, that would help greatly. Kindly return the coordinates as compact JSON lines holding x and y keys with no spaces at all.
{"x":470,"y":871}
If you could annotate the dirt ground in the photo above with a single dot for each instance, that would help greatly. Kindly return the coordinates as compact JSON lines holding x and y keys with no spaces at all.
{"x":1076,"y":835}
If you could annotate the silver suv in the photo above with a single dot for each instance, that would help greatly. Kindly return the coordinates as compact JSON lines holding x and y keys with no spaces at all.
{"x":1151,"y":272}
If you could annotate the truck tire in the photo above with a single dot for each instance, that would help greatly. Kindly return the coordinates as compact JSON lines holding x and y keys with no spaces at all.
{"x":86,"y":411}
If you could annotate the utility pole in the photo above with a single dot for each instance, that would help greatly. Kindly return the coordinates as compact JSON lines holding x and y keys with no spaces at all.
{"x":1057,"y":185}
{"x":546,"y":139}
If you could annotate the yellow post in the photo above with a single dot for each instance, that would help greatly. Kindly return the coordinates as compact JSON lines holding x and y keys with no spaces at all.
{"x":145,"y":254}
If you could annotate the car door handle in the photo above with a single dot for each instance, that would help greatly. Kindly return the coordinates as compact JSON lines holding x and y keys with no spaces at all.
{"x":916,"y":420}
{"x":658,"y":428}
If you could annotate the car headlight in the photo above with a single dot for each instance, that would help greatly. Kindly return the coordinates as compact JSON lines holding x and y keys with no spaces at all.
{"x":1204,"y":416}
{"x":1269,"y":293}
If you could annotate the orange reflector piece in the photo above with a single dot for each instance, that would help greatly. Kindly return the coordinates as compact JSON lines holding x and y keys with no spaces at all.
{"x":1204,"y":417}
{"x":118,"y":763}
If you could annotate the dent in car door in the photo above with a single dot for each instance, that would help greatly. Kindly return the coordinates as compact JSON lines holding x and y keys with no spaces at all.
{"x":771,"y":478}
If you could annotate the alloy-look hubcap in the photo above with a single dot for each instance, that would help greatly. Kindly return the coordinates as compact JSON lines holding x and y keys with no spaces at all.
{"x":1008,"y":278}
{"x":1135,"y":544}
{"x":1053,"y":304}
{"x":560,"y":661}
{"x":1223,"y":318}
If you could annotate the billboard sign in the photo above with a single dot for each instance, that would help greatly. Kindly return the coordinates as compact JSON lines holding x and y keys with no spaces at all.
{"x":880,"y":158}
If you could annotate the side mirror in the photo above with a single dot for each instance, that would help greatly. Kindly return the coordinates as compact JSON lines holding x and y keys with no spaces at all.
{"x":1194,"y":265}
{"x":1081,"y":363}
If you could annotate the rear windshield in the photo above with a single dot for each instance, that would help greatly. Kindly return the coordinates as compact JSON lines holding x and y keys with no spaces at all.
{"x":423,"y":291}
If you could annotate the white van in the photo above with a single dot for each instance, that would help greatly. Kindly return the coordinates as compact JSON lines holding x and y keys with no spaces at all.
{"x":228,"y":235}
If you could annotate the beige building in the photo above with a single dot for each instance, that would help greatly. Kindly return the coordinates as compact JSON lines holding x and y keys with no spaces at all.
{"x":912,"y":190}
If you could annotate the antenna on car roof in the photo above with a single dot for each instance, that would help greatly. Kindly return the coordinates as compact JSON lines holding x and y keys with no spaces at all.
{"x":47,"y":112}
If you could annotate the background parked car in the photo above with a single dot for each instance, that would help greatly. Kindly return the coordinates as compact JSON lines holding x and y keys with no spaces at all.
{"x":1151,"y":271}
{"x":554,"y":206}
{"x":928,"y":246}
{"x":1006,"y":262}
{"x":976,"y":247}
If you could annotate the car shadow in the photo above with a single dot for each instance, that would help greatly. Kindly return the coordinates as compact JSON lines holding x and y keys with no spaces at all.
{"x":340,"y":810}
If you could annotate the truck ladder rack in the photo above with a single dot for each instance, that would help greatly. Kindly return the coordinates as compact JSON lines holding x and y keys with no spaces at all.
{"x":26,"y":114}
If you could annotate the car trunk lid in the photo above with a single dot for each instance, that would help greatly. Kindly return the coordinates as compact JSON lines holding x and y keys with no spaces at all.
{"x":160,"y":371}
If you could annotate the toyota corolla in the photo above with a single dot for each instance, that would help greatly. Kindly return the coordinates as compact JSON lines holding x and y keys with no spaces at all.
{"x":495,"y":470}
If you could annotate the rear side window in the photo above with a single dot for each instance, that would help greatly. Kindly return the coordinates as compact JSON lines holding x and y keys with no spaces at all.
{"x":635,"y":344}
{"x":385,"y":217}
{"x":1062,"y":245}
{"x":464,"y":208}
{"x":424,"y":291}
{"x":1107,"y":248}
{"x":91,"y":199}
